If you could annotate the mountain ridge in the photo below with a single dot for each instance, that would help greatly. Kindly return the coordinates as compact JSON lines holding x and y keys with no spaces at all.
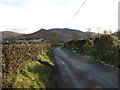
{"x":66,"y":33}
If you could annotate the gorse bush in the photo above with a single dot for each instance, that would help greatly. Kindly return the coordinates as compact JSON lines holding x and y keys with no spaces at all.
{"x":88,"y":47}
{"x":106,"y":40}
{"x":105,"y":48}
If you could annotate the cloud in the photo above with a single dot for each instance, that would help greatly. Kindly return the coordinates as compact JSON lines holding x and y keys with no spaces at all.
{"x":19,"y":3}
{"x":35,"y":14}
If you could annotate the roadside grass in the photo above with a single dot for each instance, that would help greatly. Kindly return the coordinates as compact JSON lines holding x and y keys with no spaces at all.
{"x":45,"y":58}
{"x":34,"y":75}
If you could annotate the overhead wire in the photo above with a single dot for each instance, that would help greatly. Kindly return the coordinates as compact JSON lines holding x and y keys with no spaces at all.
{"x":77,"y":12}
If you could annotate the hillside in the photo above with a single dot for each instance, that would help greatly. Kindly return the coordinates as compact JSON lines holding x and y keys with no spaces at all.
{"x":9,"y":34}
{"x":67,"y":34}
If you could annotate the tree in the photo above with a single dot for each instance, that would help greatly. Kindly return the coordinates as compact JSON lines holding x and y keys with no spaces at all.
{"x":75,"y":36}
{"x":98,"y":29}
{"x":89,"y":35}
{"x":110,"y":31}
{"x":55,"y":37}
{"x":105,"y":32}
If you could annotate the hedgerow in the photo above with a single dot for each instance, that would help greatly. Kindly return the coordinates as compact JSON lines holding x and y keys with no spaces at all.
{"x":16,"y":60}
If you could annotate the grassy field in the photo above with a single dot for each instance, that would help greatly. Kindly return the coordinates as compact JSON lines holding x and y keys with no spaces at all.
{"x":27,"y":66}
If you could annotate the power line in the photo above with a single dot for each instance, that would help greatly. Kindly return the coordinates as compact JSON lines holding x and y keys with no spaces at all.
{"x":76,"y":12}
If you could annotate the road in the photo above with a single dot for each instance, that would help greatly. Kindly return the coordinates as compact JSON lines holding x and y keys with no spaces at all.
{"x":78,"y":71}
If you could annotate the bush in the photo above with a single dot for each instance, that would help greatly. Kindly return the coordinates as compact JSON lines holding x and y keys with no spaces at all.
{"x":77,"y":45}
{"x":106,"y":49}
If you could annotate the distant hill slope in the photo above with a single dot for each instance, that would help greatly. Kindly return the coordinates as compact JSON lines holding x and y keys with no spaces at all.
{"x":66,"y":34}
{"x":9,"y":34}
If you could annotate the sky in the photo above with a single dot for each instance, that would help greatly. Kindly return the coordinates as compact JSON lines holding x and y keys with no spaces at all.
{"x":28,"y":16}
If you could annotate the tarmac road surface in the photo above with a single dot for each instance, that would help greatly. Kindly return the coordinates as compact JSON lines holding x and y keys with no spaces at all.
{"x":78,"y":71}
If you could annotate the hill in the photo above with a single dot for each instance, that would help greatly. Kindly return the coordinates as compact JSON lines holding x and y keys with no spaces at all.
{"x":9,"y":34}
{"x":67,"y":34}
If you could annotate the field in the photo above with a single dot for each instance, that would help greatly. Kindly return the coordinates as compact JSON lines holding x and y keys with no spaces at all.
{"x":27,"y":66}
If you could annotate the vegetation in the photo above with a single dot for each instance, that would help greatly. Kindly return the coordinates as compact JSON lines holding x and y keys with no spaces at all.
{"x":22,"y":66}
{"x":117,"y":34}
{"x":104,"y":49}
{"x":28,"y":41}
{"x":56,"y":37}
